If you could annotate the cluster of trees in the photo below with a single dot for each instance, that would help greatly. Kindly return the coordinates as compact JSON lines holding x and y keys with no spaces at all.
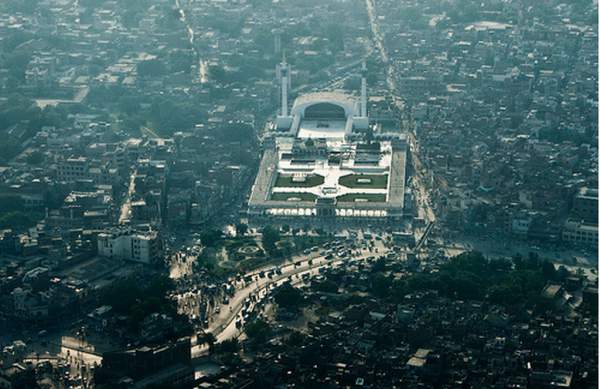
{"x":515,"y":283}
{"x":14,"y":214}
{"x":559,"y":135}
{"x":21,"y":111}
{"x":17,"y":220}
{"x":236,"y":132}
{"x":151,"y":68}
{"x":288,"y":297}
{"x":225,"y":22}
{"x":467,"y":12}
{"x":276,"y":246}
{"x":23,"y":6}
{"x":132,"y":11}
{"x":211,"y":237}
{"x":163,"y":113}
{"x":208,"y":261}
{"x":136,"y":301}
{"x":258,"y":331}
{"x":241,"y":229}
{"x":167,"y":114}
{"x":270,"y":237}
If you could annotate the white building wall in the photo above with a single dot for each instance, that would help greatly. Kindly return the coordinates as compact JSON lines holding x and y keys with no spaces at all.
{"x":131,"y":247}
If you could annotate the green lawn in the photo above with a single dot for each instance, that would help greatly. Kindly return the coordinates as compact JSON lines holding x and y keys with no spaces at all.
{"x":285,"y":181}
{"x":288,"y":196}
{"x":378,"y":181}
{"x":352,"y":197}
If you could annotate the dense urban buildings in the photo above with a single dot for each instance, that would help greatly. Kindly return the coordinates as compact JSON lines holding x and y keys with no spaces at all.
{"x":298,"y":193}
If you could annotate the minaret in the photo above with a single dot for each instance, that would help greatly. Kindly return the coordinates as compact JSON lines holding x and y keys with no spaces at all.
{"x":284,"y":121}
{"x":284,"y":87}
{"x":363,"y":90}
{"x":277,"y":35}
{"x":361,"y":120}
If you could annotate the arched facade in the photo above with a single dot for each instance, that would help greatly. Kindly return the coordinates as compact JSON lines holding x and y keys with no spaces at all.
{"x":324,"y":111}
{"x":319,"y":105}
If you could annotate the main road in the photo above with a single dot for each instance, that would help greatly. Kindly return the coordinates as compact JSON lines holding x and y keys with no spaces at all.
{"x":426,"y":210}
{"x":202,"y":65}
{"x":222,"y":325}
{"x":380,"y":44}
{"x":125,"y":212}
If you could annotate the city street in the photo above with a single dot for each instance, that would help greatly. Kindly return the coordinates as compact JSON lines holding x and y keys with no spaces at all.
{"x":222,"y":326}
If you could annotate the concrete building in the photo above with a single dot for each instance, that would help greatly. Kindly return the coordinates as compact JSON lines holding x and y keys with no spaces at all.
{"x":580,"y":233}
{"x":73,"y":169}
{"x":137,"y":246}
{"x":585,"y":205}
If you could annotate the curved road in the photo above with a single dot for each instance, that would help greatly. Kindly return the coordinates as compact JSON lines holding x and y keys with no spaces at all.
{"x":222,"y":325}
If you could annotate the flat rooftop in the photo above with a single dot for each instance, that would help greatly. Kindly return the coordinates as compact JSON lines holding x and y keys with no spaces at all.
{"x":378,"y":184}
{"x":322,"y":129}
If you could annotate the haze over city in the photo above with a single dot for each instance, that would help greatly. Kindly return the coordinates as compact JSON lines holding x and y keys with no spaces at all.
{"x":298,"y":194}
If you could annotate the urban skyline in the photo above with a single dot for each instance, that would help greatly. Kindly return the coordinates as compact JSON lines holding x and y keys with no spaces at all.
{"x":298,"y":193}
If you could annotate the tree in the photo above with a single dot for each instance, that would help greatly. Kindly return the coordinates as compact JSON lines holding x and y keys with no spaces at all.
{"x":327,"y":286}
{"x":241,"y":229}
{"x":180,"y":61}
{"x":35,"y":158}
{"x":270,"y":236}
{"x":207,"y":338}
{"x":128,"y":297}
{"x":210,"y":238}
{"x":11,"y":203}
{"x":258,"y":331}
{"x":380,"y":285}
{"x":229,"y":346}
{"x":548,"y":270}
{"x":151,"y":68}
{"x":288,"y":297}
{"x":296,"y":338}
{"x":217,"y":73}
{"x":335,"y":35}
{"x":352,"y":83}
{"x":16,"y":220}
{"x":562,"y":273}
{"x":236,"y":132}
{"x":379,"y":265}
